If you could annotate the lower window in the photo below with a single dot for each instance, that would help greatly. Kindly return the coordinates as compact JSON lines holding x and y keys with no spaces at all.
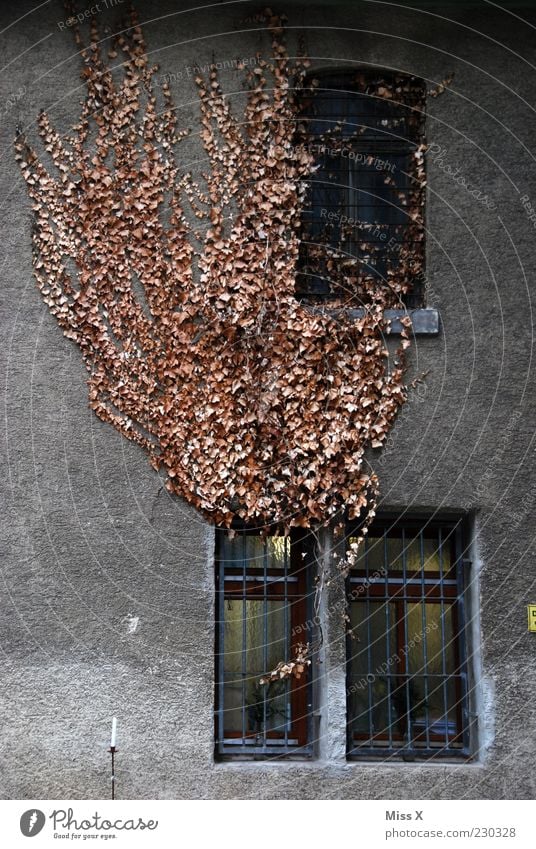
{"x":263,"y":615}
{"x":406,"y":673}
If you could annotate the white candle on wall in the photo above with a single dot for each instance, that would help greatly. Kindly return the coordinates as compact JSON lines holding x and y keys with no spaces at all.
{"x":114,"y":732}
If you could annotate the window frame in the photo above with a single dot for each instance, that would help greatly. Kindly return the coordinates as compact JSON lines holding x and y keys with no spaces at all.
{"x":452,"y":590}
{"x":425,"y":320}
{"x":340,"y":85}
{"x":264,"y":584}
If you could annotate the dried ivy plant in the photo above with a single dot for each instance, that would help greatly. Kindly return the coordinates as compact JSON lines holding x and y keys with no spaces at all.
{"x":180,"y":292}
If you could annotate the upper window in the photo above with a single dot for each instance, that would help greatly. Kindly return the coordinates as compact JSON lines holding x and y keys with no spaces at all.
{"x":363,"y":222}
{"x":263,"y":614}
{"x":406,"y":674}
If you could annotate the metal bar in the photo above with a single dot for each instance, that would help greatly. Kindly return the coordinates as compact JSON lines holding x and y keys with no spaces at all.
{"x":398,"y":596}
{"x":271,"y":579}
{"x":409,"y":581}
{"x":244,"y":636}
{"x":288,"y":705}
{"x":387,"y":636}
{"x":461,"y":631}
{"x":382,"y":752}
{"x":251,"y":743}
{"x":424,"y":641}
{"x":430,"y":675}
{"x":406,"y":642}
{"x":443,"y":642}
{"x":315,"y":549}
{"x":264,"y":636}
{"x":369,"y":655}
{"x":221,"y":642}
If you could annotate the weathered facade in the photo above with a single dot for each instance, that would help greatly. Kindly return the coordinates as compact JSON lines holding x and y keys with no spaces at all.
{"x":108,"y":582}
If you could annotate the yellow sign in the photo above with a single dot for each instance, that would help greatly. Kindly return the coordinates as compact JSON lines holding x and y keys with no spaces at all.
{"x":531,"y":610}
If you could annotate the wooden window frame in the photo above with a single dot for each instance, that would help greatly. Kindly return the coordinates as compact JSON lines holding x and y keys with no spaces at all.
{"x":292,"y":587}
{"x":402,"y":587}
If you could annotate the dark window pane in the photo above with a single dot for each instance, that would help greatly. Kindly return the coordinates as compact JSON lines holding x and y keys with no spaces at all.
{"x":372,"y":660}
{"x":252,"y":647}
{"x":359,"y":224}
{"x":406,"y":671}
{"x":424,"y":551}
{"x":262,"y":602}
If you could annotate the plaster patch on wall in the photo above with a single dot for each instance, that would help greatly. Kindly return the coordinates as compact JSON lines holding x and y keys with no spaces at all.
{"x":486,"y":737}
{"x":131,"y":622}
{"x":482,"y":686}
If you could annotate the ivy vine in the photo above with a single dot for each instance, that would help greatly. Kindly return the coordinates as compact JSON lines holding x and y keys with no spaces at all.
{"x":180,"y":289}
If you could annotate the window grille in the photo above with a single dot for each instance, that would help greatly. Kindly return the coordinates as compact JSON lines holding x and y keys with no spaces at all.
{"x":363,"y":221}
{"x":407,"y":691}
{"x":263,"y":614}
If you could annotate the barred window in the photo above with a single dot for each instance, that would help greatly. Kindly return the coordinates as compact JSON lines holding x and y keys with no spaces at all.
{"x":363,"y":219}
{"x":263,"y":586}
{"x":407,"y":691}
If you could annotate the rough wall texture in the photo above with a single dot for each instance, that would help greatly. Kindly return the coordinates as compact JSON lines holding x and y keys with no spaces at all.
{"x":107,"y":582}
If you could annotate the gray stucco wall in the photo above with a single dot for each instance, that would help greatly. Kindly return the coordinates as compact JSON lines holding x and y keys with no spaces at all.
{"x":90,"y":542}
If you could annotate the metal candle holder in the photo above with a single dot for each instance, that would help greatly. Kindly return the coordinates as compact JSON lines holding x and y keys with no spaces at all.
{"x":113,"y":750}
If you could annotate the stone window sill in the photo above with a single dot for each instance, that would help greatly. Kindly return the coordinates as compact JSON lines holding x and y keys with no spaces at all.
{"x":425,"y":321}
